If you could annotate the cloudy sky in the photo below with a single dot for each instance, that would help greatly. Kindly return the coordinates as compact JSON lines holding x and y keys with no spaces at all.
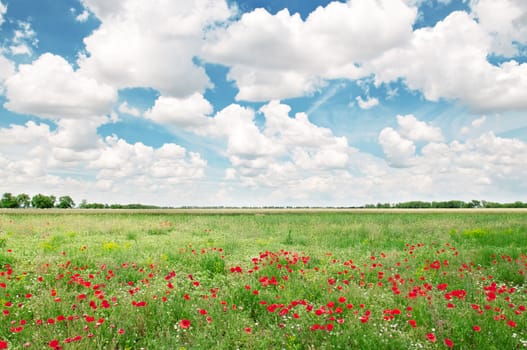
{"x":264,"y":102}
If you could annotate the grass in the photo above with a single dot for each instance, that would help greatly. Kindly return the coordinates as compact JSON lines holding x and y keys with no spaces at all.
{"x":263,"y":279}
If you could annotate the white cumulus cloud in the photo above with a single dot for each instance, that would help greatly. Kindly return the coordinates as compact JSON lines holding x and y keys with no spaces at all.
{"x":399,"y":151}
{"x":50,"y":88}
{"x":32,"y":155}
{"x":416,"y":130}
{"x":151,"y":44}
{"x":398,"y":145}
{"x":505,"y":21}
{"x":121,"y":165}
{"x":191,"y":111}
{"x":280,"y":56}
{"x":370,"y":102}
{"x":7,"y":68}
{"x":284,"y":148}
{"x":449,"y":61}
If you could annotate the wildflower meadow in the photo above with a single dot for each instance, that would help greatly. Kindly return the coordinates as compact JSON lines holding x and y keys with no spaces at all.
{"x":263,"y":280}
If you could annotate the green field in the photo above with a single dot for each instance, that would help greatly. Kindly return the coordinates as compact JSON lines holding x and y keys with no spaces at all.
{"x":263,"y":279}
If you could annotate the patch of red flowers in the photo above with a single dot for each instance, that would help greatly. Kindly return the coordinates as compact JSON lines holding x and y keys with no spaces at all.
{"x":184,"y":324}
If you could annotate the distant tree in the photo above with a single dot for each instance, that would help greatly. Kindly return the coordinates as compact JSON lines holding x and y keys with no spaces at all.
{"x":85,"y":205}
{"x":474,"y":204}
{"x":487,"y":204}
{"x":413,"y":205}
{"x":384,"y":205}
{"x":65,"y":202}
{"x":42,"y":201}
{"x":23,"y":200}
{"x":8,"y":201}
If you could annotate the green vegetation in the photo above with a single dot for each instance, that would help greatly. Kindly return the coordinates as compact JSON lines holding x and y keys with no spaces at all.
{"x":263,"y":280}
{"x":41,"y":201}
{"x":452,"y":204}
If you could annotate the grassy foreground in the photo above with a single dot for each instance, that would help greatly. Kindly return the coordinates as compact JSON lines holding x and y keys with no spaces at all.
{"x":263,"y":280}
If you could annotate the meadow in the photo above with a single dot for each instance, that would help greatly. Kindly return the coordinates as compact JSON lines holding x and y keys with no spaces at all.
{"x":259,"y":279}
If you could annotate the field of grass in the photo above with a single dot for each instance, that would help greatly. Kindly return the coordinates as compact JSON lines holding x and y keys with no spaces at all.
{"x":263,"y":280}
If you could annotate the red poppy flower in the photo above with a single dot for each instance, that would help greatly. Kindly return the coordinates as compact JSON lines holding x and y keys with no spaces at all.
{"x":476,"y":328}
{"x":3,"y":344}
{"x":184,"y":324}
{"x":314,"y":327}
{"x":364,"y":319}
{"x":431,"y":337}
{"x":442,"y":286}
{"x":449,"y":343}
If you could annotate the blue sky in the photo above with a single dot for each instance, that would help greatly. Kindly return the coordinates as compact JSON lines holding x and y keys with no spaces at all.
{"x":251,"y":103}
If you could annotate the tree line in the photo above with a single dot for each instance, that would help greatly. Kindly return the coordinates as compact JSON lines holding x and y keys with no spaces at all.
{"x":41,"y":201}
{"x":85,"y":205}
{"x":448,"y":204}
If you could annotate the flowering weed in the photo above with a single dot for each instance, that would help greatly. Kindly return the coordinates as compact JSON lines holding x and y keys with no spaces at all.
{"x":175,"y":290}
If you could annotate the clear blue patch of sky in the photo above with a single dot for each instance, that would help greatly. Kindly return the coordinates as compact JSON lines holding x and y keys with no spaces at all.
{"x":132,"y":130}
{"x":56,"y":29}
{"x":223,"y":92}
{"x":431,"y":12}
{"x":302,"y":7}
{"x":140,"y":98}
